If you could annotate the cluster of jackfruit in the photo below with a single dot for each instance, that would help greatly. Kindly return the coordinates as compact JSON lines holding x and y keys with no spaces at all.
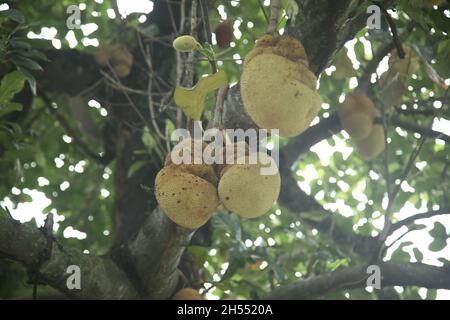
{"x":190,"y":193}
{"x":357,"y":115}
{"x":277,"y":87}
{"x":118,"y":55}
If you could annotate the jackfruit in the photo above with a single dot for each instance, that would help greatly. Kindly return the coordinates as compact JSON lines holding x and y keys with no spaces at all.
{"x":344,"y":66}
{"x":370,"y":147}
{"x":118,"y":55}
{"x":187,"y":294}
{"x":244,"y":190}
{"x":121,"y":60}
{"x":102,"y":55}
{"x":277,"y":88}
{"x":357,"y":114}
{"x":406,"y":66}
{"x":188,"y":200}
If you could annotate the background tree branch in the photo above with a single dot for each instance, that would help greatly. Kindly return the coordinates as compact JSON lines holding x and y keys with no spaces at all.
{"x":412,"y":219}
{"x":392,"y":274}
{"x":100,"y":277}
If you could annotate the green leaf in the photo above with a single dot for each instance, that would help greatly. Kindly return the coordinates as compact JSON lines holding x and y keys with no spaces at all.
{"x":337,"y":263}
{"x":431,"y":294}
{"x":439,"y":235}
{"x":9,"y":107}
{"x":30,"y":79}
{"x":316,"y":215}
{"x":148,"y":139}
{"x":418,"y":255}
{"x":198,"y":253}
{"x":11,"y":84}
{"x":136,"y":166}
{"x":26,"y":63}
{"x":20,"y":44}
{"x":192,"y":100}
{"x":437,"y":245}
{"x":170,"y":127}
{"x":229,"y":223}
{"x":14,"y":15}
{"x":438,"y":230}
{"x":400,"y":255}
{"x":39,"y":55}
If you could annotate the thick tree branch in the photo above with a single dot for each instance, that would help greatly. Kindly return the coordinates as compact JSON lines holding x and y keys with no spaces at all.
{"x":414,"y":218}
{"x":313,"y":135}
{"x":156,"y":253}
{"x":298,"y":202}
{"x":100,"y":277}
{"x":392,"y":274}
{"x":396,"y":121}
{"x":331,"y":125}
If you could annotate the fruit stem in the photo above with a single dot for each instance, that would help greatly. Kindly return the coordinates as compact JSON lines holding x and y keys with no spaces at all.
{"x":274,"y":7}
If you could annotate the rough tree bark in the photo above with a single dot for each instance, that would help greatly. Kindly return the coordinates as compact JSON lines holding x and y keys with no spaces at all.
{"x":148,"y":246}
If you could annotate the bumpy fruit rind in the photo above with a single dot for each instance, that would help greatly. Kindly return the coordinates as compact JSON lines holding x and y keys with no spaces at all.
{"x":406,"y":66}
{"x":245,"y":191}
{"x":230,"y":153}
{"x":122,"y":61}
{"x":277,"y":88}
{"x":102,"y":55}
{"x":195,"y":164}
{"x":284,"y":46}
{"x":186,"y":199}
{"x":370,"y":147}
{"x":357,"y":114}
{"x":344,"y":66}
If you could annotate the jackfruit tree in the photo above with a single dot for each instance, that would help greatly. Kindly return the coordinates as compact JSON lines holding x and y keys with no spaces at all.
{"x":89,"y":101}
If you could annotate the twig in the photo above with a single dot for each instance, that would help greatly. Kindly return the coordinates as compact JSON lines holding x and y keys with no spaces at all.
{"x":419,"y":129}
{"x":189,"y":79}
{"x":120,"y":86}
{"x":386,"y":156}
{"x":364,"y":80}
{"x":91,"y":87}
{"x":135,"y":108}
{"x":207,"y":30}
{"x":182,"y":15}
{"x":8,"y":213}
{"x":172,"y":19}
{"x":216,"y":119}
{"x":148,"y":59}
{"x":398,"y":239}
{"x":393,"y":27}
{"x":274,"y":7}
{"x":389,"y":209}
{"x":84,"y":148}
{"x":263,"y":11}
